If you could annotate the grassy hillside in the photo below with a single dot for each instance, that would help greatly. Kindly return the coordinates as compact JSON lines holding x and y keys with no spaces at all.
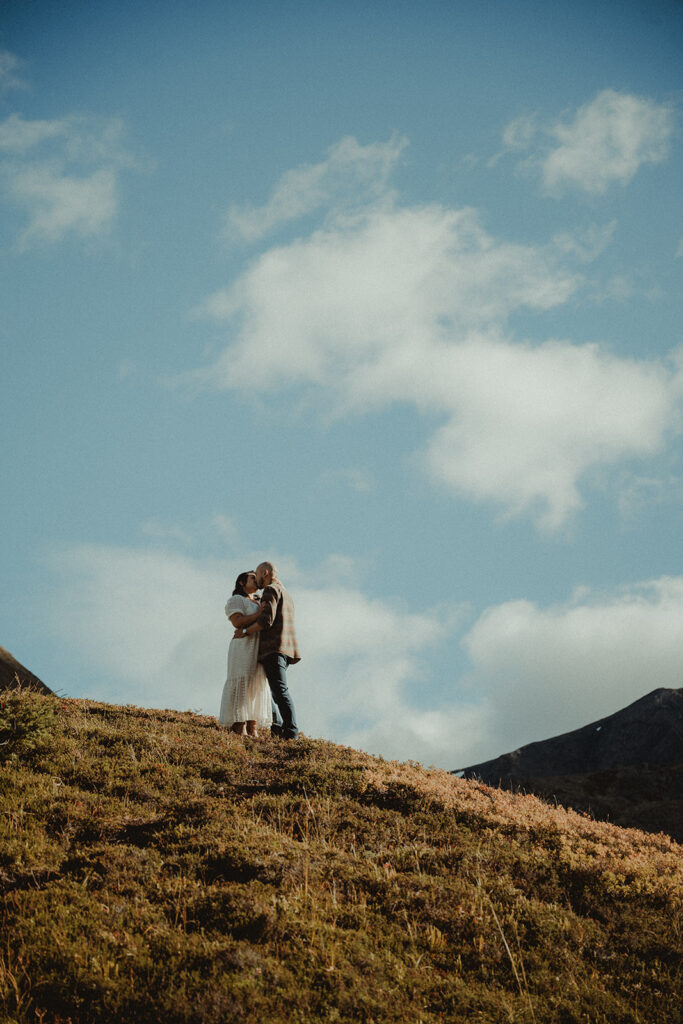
{"x":153,"y":868}
{"x":647,"y":796}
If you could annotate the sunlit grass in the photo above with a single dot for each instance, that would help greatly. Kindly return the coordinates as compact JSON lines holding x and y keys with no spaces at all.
{"x":154,"y":867}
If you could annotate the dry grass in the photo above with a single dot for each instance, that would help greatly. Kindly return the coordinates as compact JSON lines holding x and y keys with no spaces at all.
{"x":153,"y":867}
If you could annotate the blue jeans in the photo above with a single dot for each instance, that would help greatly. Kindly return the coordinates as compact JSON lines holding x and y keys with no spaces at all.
{"x":284,"y":718}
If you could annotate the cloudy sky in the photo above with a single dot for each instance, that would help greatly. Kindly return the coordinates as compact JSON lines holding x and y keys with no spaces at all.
{"x":389,"y":294}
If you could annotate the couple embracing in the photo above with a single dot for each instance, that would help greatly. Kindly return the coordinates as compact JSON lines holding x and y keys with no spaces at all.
{"x":263,"y":645}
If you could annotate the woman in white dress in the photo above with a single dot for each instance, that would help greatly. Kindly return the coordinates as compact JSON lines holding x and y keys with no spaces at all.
{"x":246,"y":701}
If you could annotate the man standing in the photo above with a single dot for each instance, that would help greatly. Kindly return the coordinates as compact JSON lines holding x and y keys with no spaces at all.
{"x":277,"y":646}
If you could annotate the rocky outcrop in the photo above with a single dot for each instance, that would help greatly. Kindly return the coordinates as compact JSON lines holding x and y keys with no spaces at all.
{"x":13,"y":673}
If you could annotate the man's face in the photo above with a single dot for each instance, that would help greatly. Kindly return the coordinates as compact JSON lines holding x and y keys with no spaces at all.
{"x":260,"y":577}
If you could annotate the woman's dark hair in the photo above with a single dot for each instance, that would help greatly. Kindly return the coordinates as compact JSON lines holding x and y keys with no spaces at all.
{"x":240,"y":584}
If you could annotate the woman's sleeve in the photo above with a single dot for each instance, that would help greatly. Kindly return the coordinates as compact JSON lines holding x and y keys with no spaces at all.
{"x":234,"y":605}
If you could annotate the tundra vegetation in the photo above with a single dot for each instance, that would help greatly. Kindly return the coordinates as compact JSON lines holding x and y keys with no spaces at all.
{"x":156,"y":868}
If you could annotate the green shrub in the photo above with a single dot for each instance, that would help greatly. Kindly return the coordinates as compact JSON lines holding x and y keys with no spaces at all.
{"x":27,"y":722}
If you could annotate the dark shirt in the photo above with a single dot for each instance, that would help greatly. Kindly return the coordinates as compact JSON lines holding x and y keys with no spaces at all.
{"x":277,"y":618}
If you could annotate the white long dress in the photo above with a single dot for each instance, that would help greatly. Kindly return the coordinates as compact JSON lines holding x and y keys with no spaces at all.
{"x":246,"y":694}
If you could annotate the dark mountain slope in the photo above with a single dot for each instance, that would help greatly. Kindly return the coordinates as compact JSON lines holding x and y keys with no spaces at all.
{"x":13,"y":672}
{"x":627,"y":767}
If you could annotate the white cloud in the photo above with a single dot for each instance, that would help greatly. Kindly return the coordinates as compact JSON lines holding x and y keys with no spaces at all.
{"x":388,"y":283}
{"x":362,"y":660}
{"x":527,"y":423}
{"x":227,"y":529}
{"x":608,"y":141}
{"x":134,"y":613}
{"x":17,"y":135}
{"x":149,"y":627}
{"x":617,"y":288}
{"x":350,"y":174}
{"x":641,"y":493}
{"x":9,"y":65}
{"x":64,"y":173}
{"x":545,"y":671}
{"x":586,"y":244}
{"x":58,"y":203}
{"x":411,"y":305}
{"x":519,"y":133}
{"x":605,"y":142}
{"x":159,"y":530}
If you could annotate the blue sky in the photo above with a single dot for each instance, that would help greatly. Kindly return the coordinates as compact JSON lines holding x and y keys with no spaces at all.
{"x":389,"y":295}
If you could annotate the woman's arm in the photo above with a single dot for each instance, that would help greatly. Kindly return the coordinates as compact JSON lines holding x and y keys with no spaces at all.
{"x":242,"y":631}
{"x":242,"y":621}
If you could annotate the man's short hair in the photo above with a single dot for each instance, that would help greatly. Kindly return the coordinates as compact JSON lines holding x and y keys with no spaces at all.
{"x":268,"y":567}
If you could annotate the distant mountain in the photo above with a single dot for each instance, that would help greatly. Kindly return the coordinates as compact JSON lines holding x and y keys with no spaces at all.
{"x":626,"y":768}
{"x":13,"y":673}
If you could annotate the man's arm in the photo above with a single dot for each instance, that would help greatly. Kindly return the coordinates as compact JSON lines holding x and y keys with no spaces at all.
{"x":247,"y":630}
{"x":266,"y":617}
